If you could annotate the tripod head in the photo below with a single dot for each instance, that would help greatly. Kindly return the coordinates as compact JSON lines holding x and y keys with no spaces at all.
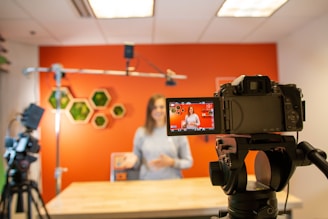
{"x":19,"y":158}
{"x":276,"y":160}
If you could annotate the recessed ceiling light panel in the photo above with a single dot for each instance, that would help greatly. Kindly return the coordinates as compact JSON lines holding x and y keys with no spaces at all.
{"x":249,"y":8}
{"x":122,"y":8}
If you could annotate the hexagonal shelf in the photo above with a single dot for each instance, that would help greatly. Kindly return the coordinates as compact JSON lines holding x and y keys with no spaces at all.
{"x":65,"y":99}
{"x":118,"y":110}
{"x":79,"y":111}
{"x":100,"y":98}
{"x":100,"y":121}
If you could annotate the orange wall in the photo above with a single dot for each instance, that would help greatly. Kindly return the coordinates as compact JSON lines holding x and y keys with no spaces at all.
{"x":84,"y":150}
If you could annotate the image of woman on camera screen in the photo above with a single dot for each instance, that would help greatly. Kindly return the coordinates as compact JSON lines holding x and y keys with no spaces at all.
{"x":192,"y":119}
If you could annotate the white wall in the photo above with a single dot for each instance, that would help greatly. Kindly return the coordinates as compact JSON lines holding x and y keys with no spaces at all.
{"x":303,"y":60}
{"x":16,"y":93}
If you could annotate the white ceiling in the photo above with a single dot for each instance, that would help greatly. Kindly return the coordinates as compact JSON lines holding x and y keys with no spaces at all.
{"x":56,"y":22}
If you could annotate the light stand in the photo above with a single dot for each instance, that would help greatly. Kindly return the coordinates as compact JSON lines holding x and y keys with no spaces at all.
{"x":59,"y":71}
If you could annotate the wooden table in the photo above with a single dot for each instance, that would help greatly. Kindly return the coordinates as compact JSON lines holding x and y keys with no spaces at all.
{"x":187,"y":198}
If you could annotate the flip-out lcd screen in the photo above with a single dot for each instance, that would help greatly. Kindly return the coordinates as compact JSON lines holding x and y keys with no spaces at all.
{"x":191,"y":116}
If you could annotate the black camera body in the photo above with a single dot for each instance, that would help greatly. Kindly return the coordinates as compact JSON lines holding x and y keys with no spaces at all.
{"x":18,"y":151}
{"x":248,"y":105}
{"x":254,"y":104}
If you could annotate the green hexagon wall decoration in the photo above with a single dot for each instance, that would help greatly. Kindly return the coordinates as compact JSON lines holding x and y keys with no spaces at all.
{"x":100,"y":98}
{"x":100,"y":121}
{"x":65,"y":99}
{"x":118,"y":110}
{"x":79,"y":111}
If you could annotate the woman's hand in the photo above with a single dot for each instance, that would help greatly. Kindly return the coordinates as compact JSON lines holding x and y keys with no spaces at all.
{"x":162,"y":161}
{"x":129,"y":160}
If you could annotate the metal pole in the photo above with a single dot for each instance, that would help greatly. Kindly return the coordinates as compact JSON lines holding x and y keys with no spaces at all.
{"x":58,"y":171}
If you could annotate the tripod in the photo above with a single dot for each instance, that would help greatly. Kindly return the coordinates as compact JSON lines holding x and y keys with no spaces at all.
{"x":20,"y":188}
{"x":277,"y":158}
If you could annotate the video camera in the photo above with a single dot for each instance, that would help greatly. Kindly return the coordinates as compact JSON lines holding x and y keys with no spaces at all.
{"x":18,"y":150}
{"x":248,"y":105}
{"x":249,"y":112}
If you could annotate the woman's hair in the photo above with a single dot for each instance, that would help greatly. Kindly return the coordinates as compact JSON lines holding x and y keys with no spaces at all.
{"x":190,"y":107}
{"x":150,"y":122}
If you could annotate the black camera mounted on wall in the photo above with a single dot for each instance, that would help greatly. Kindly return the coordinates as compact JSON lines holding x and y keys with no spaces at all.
{"x":249,"y":114}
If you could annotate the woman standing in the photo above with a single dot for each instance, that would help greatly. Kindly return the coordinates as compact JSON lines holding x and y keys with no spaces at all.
{"x":157,"y":155}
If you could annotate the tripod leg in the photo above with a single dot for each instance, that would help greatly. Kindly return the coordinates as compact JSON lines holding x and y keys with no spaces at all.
{"x":29,"y":200}
{"x":35,"y":205}
{"x":42,"y":202}
{"x":5,"y":202}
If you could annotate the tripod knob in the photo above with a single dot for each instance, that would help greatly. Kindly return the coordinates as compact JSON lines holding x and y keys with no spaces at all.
{"x":217,"y":174}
